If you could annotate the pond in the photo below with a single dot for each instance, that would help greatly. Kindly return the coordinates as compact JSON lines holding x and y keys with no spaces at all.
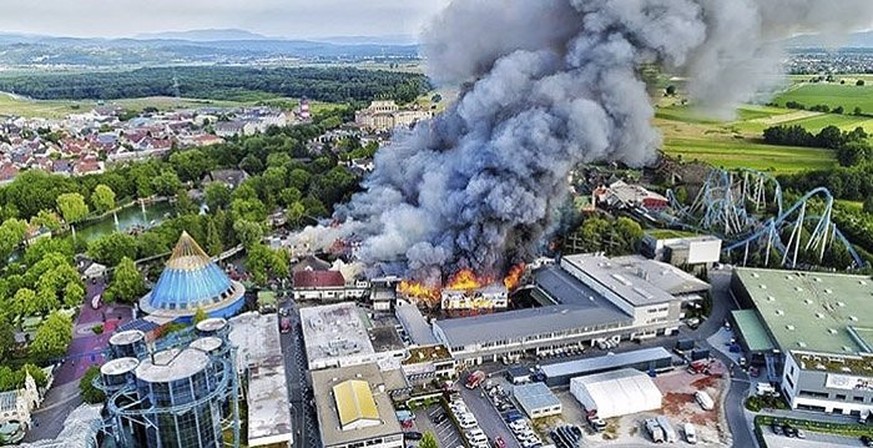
{"x":127,"y":219}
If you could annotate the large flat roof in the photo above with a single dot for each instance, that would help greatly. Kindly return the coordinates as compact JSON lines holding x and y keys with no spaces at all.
{"x":410,"y":317}
{"x":637,"y":280}
{"x":564,"y":289}
{"x":334,"y":331}
{"x":753,"y":330}
{"x":600,"y":363}
{"x":518,"y":324}
{"x":256,"y":337}
{"x":811,"y":311}
{"x":533,"y":396}
{"x":323,"y":382}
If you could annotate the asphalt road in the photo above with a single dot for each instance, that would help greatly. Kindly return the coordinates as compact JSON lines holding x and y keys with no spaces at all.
{"x":490,"y":421}
{"x":299,"y":385}
{"x":735,"y":412}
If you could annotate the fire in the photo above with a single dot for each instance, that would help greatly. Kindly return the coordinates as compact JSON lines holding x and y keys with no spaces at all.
{"x":466,"y":279}
{"x":513,"y":277}
{"x":416,"y":290}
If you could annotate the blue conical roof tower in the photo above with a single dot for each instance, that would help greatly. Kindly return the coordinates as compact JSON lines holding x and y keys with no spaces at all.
{"x":192,"y":281}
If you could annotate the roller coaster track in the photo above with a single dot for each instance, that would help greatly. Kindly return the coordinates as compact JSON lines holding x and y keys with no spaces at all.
{"x":730,"y":205}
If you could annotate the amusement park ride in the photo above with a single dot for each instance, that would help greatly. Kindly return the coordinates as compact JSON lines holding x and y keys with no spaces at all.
{"x":744,"y":208}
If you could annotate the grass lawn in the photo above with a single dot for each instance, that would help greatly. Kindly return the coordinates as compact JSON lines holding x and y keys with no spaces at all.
{"x":845,"y":122}
{"x":833,"y":95}
{"x":14,"y":105}
{"x":740,"y":153}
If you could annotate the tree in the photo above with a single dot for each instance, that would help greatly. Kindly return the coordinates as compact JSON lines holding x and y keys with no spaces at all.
{"x":47,"y":219}
{"x":860,"y":83}
{"x":248,"y":210}
{"x":52,"y":337}
{"x":12,"y":233}
{"x":858,"y":111}
{"x":25,"y":303}
{"x":213,"y":239}
{"x":249,"y":233}
{"x":671,"y":90}
{"x":294,"y":213}
{"x":217,"y":196}
{"x":73,"y":294}
{"x":38,"y":375}
{"x":428,"y":440}
{"x":263,"y":262}
{"x":127,"y":282}
{"x":110,"y":249}
{"x":72,"y":207}
{"x":191,"y":165}
{"x":166,"y":184}
{"x":7,"y":337}
{"x":868,"y":204}
{"x":184,"y":204}
{"x":103,"y":198}
{"x":91,"y":394}
{"x":199,"y":316}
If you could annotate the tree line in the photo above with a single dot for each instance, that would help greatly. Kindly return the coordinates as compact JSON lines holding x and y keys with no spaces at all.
{"x":331,"y":84}
{"x":851,"y":147}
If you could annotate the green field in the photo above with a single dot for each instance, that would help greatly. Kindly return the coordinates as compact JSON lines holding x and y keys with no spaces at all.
{"x":748,"y":154}
{"x":18,"y":106}
{"x":832,"y":95}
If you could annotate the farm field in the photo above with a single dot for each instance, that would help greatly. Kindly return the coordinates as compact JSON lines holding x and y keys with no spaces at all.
{"x":745,"y":154}
{"x":55,"y":109}
{"x":849,"y":96}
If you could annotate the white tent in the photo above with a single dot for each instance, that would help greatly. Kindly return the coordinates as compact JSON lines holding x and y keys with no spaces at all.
{"x":616,"y":393}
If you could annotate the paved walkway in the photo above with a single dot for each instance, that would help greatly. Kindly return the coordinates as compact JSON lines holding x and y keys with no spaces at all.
{"x":86,"y":348}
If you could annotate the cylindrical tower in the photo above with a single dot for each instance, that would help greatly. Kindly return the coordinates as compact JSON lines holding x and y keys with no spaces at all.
{"x":215,"y":326}
{"x":128,"y":344}
{"x":117,"y":373}
{"x":180,"y":387}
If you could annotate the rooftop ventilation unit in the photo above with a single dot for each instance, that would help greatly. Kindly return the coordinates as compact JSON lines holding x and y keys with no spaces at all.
{"x":832,"y":331}
{"x":755,"y":275}
{"x":798,"y":289}
{"x":780,"y":313}
{"x":853,"y":318}
{"x":771,"y":298}
{"x":808,"y":301}
{"x":763,"y":286}
{"x":819,"y":315}
{"x":789,"y":327}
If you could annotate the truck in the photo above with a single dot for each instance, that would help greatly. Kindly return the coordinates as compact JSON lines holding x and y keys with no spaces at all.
{"x":285,"y":325}
{"x":669,"y":433}
{"x":690,"y":433}
{"x":704,"y":400}
{"x":475,"y":379}
{"x":656,"y":433}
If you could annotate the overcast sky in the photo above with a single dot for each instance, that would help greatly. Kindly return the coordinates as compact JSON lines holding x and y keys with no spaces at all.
{"x":280,"y":18}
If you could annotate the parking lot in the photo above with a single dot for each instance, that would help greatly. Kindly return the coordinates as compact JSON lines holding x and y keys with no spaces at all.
{"x":813,"y":440}
{"x":428,"y":419}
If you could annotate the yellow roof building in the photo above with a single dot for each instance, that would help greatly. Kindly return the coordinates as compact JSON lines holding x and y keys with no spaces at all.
{"x":355,"y":405}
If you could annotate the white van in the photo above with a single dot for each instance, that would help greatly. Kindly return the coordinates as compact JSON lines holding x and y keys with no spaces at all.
{"x":690,"y":433}
{"x":704,"y":400}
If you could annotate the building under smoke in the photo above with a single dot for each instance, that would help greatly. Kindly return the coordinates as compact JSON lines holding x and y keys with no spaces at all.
{"x":548,"y":85}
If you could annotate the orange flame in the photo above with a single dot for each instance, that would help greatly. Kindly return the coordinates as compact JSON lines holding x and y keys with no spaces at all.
{"x":514,"y":276}
{"x":465,"y":280}
{"x":416,"y":290}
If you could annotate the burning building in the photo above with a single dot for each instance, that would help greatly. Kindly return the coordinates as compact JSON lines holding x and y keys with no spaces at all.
{"x":493,"y":296}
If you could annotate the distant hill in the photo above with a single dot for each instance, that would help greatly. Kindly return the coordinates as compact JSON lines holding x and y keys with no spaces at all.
{"x":209,"y":35}
{"x":394,"y":39}
{"x":854,"y":40}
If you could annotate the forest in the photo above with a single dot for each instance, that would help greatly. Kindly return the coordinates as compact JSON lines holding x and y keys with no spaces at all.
{"x":330,"y":84}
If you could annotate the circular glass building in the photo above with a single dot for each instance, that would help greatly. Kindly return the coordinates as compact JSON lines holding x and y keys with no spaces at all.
{"x":192,"y":281}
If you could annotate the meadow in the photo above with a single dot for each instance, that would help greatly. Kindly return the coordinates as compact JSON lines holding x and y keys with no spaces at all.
{"x":56,"y":109}
{"x":849,"y":96}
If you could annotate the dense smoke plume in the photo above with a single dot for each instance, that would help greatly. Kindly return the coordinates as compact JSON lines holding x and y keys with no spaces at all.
{"x":550,"y":84}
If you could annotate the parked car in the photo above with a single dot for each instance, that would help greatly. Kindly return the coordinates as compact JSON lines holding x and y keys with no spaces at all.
{"x":690,"y":433}
{"x":789,"y":431}
{"x":867,"y":440}
{"x":499,"y":442}
{"x":413,"y":435}
{"x":776,"y":428}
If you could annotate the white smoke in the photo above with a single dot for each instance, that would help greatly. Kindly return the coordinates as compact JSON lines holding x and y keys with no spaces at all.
{"x":551,"y":84}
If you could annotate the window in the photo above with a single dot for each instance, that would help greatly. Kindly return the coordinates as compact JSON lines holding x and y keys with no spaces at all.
{"x":841,"y":397}
{"x":858,"y":399}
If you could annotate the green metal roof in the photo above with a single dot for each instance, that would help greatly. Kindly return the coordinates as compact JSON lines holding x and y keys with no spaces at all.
{"x":811,"y":311}
{"x":753,"y":331}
